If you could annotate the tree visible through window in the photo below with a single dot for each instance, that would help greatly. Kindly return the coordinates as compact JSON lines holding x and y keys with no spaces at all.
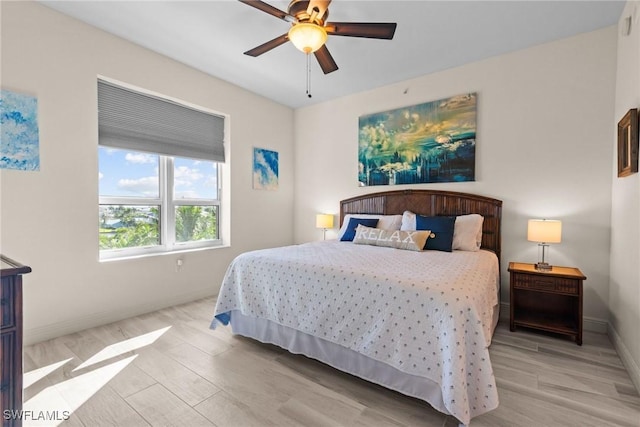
{"x":153,"y":202}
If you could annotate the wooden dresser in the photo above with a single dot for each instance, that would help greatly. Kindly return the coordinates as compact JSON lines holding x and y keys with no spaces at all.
{"x":11,"y":338}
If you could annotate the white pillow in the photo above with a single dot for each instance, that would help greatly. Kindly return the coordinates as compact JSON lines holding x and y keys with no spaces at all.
{"x":467,"y":231}
{"x":386,"y":222}
{"x":408,"y":221}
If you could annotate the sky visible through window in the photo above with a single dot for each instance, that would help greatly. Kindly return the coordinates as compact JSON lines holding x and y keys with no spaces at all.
{"x":124,"y":173}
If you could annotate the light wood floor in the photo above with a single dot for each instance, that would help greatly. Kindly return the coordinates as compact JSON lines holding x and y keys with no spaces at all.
{"x":192,"y":376}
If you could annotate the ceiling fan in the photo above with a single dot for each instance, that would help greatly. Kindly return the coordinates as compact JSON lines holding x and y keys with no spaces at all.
{"x":309,"y":29}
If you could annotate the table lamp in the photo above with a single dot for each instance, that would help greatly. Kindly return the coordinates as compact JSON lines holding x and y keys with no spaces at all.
{"x":544,"y":231}
{"x":324,"y":221}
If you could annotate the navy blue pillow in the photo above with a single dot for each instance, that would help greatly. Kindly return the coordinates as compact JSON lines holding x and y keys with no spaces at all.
{"x":442,"y":227}
{"x":350,"y":232}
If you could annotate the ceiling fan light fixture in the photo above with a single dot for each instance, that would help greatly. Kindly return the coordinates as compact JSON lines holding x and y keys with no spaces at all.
{"x":307,"y":37}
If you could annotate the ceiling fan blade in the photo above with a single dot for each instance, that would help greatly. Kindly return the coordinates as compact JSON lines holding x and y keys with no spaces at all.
{"x":325,"y":60}
{"x":371,"y":30}
{"x":320,"y":5}
{"x":265,"y":47}
{"x":267,"y":8}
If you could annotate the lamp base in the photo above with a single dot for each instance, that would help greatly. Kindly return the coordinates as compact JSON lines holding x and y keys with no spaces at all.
{"x":544,"y":266}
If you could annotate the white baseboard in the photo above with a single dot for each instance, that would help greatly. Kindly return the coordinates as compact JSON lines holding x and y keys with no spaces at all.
{"x":595,"y":325}
{"x":625,"y":355}
{"x":54,"y":330}
{"x":588,"y":323}
{"x":505,"y":311}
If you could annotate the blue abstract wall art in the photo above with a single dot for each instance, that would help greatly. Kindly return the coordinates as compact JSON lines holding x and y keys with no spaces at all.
{"x":19,"y":141}
{"x":265,"y":169}
{"x":424,"y":143}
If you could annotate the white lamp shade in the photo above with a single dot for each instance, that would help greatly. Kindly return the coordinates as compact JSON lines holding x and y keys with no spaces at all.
{"x":544,"y":231}
{"x":324,"y":221}
{"x":307,"y":37}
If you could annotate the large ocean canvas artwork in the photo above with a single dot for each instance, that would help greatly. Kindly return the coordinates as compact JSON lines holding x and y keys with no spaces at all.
{"x":265,"y":169}
{"x":19,"y":140}
{"x":424,"y":143}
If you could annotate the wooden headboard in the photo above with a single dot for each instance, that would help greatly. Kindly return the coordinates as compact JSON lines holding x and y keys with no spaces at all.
{"x":432,"y":203}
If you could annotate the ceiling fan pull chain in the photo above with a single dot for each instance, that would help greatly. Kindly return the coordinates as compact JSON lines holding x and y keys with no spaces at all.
{"x":308,"y":76}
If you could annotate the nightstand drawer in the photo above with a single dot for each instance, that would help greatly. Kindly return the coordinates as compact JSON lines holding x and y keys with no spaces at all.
{"x":546,"y":283}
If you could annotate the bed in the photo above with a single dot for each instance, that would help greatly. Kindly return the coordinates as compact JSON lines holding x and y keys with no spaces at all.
{"x":418,"y":322}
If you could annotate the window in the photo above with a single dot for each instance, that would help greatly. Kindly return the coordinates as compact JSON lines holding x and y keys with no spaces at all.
{"x":159,"y":189}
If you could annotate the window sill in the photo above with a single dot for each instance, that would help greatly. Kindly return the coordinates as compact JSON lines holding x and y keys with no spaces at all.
{"x":161,"y":253}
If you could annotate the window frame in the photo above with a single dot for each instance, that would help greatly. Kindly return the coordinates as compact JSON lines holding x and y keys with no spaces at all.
{"x":167,"y":221}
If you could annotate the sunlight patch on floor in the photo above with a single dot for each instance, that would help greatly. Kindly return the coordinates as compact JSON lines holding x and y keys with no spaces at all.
{"x":56,"y":403}
{"x":36,"y":375}
{"x":123,"y":347}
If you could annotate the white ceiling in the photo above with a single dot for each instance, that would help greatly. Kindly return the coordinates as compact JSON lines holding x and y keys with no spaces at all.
{"x":211,"y":36}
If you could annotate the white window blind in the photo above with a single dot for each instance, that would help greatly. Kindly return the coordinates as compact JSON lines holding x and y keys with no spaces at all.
{"x":132,"y":120}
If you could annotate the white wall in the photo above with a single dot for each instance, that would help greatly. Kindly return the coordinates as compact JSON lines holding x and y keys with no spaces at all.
{"x":544,"y":134}
{"x":624,"y":287}
{"x":543,"y":147}
{"x":49,"y":218}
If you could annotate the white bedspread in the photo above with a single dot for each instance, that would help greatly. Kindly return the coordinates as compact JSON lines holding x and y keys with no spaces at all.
{"x":428,"y":314}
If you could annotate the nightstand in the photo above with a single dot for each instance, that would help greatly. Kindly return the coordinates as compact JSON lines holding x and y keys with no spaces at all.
{"x":549,"y":300}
